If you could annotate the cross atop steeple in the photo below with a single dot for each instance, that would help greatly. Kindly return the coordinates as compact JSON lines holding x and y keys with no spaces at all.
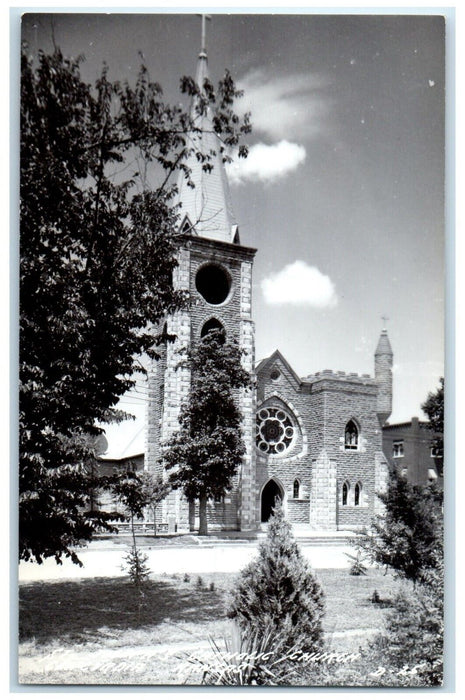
{"x":203,"y":48}
{"x":384,"y":318}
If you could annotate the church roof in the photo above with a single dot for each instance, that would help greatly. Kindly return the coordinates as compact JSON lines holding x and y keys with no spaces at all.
{"x":124,"y":440}
{"x":207,"y":206}
{"x":384,"y":346}
{"x":277,"y":356}
{"x":351,"y":377}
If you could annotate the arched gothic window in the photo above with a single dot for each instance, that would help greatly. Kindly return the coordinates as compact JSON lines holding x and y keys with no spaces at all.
{"x":345,"y":493}
{"x":213,"y":325}
{"x":351,"y":436}
{"x":296,"y":489}
{"x":357,"y":494}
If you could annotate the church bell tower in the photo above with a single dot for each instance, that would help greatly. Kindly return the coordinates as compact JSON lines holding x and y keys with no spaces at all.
{"x":216,"y":271}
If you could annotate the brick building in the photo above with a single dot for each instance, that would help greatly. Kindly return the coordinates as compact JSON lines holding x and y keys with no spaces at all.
{"x":408,"y":447}
{"x":316,"y":442}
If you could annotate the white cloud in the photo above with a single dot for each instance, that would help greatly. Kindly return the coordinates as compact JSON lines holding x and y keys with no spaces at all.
{"x":266,"y":163}
{"x":299,"y":283}
{"x":281,"y":106}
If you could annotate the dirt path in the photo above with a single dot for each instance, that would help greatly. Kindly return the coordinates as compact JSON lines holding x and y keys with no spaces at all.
{"x":108,"y":661}
{"x":104,"y":659}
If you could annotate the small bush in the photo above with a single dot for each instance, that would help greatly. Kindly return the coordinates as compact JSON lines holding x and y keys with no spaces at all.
{"x":375,"y":598}
{"x":212,"y":586}
{"x":186,"y":578}
{"x":407,"y":538}
{"x":136,"y":566}
{"x":279,"y":591}
{"x":414,"y":635}
{"x":199,"y":583}
{"x":357,"y":568}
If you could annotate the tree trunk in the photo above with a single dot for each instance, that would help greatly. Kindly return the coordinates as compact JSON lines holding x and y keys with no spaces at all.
{"x":133,"y":532}
{"x":191,"y":516}
{"x":203,"y":526}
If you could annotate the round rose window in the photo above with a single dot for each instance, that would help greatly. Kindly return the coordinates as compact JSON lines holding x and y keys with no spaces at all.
{"x":274,"y":431}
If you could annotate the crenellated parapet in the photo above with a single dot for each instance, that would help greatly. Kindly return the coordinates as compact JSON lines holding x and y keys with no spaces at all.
{"x":340,"y":376}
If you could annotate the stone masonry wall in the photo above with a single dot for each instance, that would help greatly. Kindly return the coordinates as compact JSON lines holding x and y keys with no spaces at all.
{"x":322,"y":405}
{"x":351,"y":398}
{"x":247,"y":402}
{"x":383,"y":376}
{"x":174,"y":383}
{"x":154,"y":412}
{"x":168,"y":388}
{"x":381,"y":481}
{"x":294,"y":463}
{"x":323,"y":493}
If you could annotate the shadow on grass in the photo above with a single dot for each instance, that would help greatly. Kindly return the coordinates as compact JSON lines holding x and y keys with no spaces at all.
{"x":73,"y":610}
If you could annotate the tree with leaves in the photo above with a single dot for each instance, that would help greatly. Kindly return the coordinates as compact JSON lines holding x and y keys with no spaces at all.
{"x":154,"y":489}
{"x":137,"y":491}
{"x":414,"y":631}
{"x":278,"y":592}
{"x":205,"y":453}
{"x":409,"y":539}
{"x":408,"y":536}
{"x":409,"y":651}
{"x":97,"y":251}
{"x":433,"y":407}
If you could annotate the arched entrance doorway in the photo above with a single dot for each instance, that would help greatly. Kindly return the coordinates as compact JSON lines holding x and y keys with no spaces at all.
{"x":271,"y":491}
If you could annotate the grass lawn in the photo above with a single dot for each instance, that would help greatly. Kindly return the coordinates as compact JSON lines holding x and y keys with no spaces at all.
{"x":100,"y":631}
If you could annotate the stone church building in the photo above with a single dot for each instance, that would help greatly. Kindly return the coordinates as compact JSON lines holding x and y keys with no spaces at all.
{"x":315,"y":441}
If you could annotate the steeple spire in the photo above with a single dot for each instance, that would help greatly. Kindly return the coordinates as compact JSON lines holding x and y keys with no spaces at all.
{"x":383,"y":376}
{"x":203,"y":44}
{"x":206,"y":208}
{"x":384,"y":346}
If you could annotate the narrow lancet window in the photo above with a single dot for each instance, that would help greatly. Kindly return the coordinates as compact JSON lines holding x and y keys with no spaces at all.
{"x":351,"y":436}
{"x":296,"y":489}
{"x":345,"y":493}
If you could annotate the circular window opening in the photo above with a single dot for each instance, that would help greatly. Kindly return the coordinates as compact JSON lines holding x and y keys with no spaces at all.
{"x":213,"y":283}
{"x":275,"y":374}
{"x":211,"y":326}
{"x":274,"y":431}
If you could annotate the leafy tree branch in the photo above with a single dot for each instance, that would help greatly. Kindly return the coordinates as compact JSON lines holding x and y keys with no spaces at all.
{"x":97,"y":255}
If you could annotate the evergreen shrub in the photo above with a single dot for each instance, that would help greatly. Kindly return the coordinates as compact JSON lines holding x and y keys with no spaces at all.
{"x":414,"y":635}
{"x":136,"y":566}
{"x":358,"y":567}
{"x":279,"y":592}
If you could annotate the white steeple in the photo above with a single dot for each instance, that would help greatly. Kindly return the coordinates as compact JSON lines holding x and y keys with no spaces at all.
{"x":208,"y":206}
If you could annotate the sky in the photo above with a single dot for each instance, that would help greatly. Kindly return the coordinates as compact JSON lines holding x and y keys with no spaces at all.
{"x":343,"y":190}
